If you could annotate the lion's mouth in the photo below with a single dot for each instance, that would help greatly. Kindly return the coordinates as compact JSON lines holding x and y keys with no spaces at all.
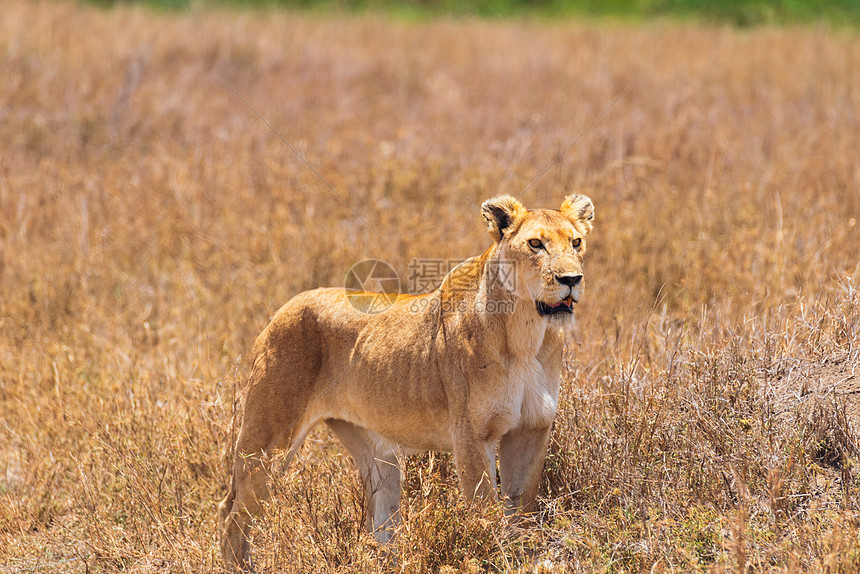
{"x":563,"y":306}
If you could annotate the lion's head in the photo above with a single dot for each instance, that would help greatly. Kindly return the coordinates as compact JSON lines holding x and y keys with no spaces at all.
{"x":544,"y":248}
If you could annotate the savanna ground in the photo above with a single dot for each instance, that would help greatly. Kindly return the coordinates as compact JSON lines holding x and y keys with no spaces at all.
{"x":150,"y":224}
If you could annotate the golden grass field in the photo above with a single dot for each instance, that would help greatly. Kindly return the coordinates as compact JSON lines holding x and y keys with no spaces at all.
{"x":151,"y":223}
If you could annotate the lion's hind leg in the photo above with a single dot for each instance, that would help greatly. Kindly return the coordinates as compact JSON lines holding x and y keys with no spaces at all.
{"x":376,"y":459}
{"x":249,"y":486}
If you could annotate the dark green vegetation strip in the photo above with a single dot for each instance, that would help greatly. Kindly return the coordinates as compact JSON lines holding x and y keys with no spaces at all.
{"x":740,"y":13}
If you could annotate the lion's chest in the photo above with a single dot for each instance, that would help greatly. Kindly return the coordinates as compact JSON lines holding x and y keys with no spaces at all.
{"x":537,"y":393}
{"x":526,"y":397}
{"x":533,"y":384}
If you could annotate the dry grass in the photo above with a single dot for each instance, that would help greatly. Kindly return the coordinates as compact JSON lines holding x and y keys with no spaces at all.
{"x":150,"y":224}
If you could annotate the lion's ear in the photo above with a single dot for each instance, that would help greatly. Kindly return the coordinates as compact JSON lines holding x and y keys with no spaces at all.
{"x":579,"y":209}
{"x":503,"y":213}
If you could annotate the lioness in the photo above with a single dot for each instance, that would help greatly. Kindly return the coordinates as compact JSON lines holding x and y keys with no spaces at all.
{"x":473,"y":370}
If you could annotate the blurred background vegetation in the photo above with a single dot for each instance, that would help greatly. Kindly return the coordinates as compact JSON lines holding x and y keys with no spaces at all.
{"x":734,"y":12}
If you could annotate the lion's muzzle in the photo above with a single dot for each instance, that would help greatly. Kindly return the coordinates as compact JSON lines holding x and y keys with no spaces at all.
{"x":563,"y":306}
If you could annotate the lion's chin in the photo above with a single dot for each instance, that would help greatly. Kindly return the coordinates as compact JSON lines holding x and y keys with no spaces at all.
{"x":563,"y":306}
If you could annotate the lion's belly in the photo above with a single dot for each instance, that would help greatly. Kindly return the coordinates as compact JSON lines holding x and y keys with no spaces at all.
{"x":409,"y":411}
{"x":415,"y":431}
{"x":414,"y":440}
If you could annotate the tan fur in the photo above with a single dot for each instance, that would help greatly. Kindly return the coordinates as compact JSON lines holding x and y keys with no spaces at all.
{"x":472,"y":368}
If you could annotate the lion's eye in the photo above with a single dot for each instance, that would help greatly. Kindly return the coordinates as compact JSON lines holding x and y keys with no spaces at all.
{"x":576,"y":243}
{"x":536,"y":243}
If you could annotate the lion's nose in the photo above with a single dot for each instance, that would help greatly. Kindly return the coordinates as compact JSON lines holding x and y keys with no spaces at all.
{"x":569,"y":280}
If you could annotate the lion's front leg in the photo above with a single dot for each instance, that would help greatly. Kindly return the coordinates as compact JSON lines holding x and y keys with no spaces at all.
{"x":521,"y":456}
{"x":475,"y":461}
